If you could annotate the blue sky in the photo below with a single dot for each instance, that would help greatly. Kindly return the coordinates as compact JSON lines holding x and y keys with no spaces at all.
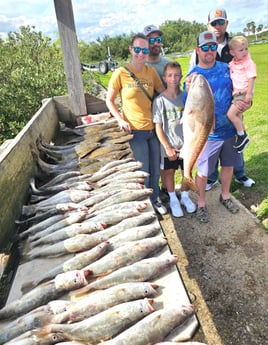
{"x":96,"y":18}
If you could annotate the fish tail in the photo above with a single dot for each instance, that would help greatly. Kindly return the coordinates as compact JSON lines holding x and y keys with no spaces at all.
{"x":188,"y":183}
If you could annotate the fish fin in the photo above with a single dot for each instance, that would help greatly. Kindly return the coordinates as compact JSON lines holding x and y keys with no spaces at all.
{"x":188,"y":183}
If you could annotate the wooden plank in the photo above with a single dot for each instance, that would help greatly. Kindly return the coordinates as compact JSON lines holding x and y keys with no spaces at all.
{"x":17,"y":166}
{"x":72,"y":66}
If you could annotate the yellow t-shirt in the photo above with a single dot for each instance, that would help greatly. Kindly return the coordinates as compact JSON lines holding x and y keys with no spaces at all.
{"x":136,"y":107}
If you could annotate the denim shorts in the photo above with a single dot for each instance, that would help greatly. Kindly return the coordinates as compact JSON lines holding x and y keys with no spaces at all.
{"x":221,"y":150}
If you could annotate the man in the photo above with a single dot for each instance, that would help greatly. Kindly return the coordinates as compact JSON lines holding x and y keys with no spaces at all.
{"x":217,"y":23}
{"x":158,"y":61}
{"x":155,"y":59}
{"x":220,"y":142}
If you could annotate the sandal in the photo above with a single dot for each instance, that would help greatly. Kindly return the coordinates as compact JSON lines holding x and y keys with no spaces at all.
{"x":202,"y":214}
{"x":229,"y":204}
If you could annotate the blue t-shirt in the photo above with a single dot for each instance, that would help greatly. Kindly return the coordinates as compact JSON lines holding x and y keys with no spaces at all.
{"x":221,"y":85}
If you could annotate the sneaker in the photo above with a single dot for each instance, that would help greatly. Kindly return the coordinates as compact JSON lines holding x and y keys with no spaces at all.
{"x":164,"y":190}
{"x":242,"y":142}
{"x":245,"y":181}
{"x":202,"y":214}
{"x":211,"y":184}
{"x":188,"y":204}
{"x":176,"y":209}
{"x":159,"y":207}
{"x":229,"y":204}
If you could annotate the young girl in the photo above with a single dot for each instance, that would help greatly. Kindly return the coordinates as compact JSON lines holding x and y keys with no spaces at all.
{"x":167,"y":113}
{"x":243,"y":75}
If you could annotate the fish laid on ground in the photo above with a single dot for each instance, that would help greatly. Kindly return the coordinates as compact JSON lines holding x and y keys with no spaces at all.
{"x":125,"y":255}
{"x":122,"y":196}
{"x":198,"y":120}
{"x":66,"y":196}
{"x":143,"y":270}
{"x":74,"y":217}
{"x":72,"y":230}
{"x":103,"y":325}
{"x":154,"y":327}
{"x":80,"y":242}
{"x":44,"y":293}
{"x":180,"y":343}
{"x":77,"y":262}
{"x":134,"y":234}
{"x":101,"y":300}
{"x":113,"y":163}
{"x":38,"y":317}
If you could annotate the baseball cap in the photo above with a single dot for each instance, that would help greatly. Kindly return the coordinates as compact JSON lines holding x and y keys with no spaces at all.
{"x":150,"y":29}
{"x":219,"y":13}
{"x":206,"y":37}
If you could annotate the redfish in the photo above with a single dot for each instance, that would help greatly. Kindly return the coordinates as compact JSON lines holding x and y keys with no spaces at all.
{"x":198,"y":120}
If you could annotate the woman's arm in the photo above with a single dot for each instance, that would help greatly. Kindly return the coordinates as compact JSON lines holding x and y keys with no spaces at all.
{"x":110,"y":102}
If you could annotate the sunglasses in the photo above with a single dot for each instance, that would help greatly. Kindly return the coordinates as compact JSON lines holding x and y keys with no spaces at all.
{"x":218,"y":22}
{"x":144,"y":51}
{"x":206,"y":48}
{"x":155,"y":39}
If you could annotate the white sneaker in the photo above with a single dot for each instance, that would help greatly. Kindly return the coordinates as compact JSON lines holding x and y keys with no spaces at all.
{"x":188,"y":204}
{"x":159,"y":207}
{"x":209,"y":185}
{"x":245,"y":181}
{"x":176,"y":209}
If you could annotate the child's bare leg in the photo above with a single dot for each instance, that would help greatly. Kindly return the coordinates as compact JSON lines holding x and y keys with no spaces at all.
{"x":235,"y":117}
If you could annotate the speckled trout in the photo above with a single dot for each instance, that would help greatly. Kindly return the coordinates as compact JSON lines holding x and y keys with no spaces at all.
{"x":154,"y":327}
{"x":198,"y":120}
{"x":44,"y":293}
{"x":103,"y":325}
{"x":143,"y":270}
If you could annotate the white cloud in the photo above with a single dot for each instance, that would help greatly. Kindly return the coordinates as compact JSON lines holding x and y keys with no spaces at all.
{"x":97,"y":18}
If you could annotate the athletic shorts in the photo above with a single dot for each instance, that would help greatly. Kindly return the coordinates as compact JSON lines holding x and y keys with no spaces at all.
{"x":167,"y":164}
{"x":221,"y":150}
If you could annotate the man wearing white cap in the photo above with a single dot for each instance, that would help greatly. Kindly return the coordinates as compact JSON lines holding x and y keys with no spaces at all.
{"x":217,"y":23}
{"x":158,"y":61}
{"x":155,"y":59}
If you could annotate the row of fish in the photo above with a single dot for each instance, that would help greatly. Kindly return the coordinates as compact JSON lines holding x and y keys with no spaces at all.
{"x":93,"y":214}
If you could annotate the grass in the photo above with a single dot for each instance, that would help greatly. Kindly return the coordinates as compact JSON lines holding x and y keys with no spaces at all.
{"x":256,"y":122}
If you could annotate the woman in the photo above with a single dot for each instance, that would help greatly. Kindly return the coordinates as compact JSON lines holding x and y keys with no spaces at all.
{"x":136,"y":116}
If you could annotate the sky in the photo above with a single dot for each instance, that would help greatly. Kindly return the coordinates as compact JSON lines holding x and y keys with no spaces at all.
{"x":97,"y":18}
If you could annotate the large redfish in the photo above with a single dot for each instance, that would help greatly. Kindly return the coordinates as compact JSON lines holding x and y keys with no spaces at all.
{"x":198,"y":120}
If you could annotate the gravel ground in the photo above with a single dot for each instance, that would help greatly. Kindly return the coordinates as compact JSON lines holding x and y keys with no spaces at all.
{"x":224,"y":266}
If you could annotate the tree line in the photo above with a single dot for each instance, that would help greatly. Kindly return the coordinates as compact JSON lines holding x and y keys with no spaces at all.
{"x":32,"y":67}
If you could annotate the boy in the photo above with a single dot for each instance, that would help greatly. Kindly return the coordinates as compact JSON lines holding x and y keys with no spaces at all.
{"x":167,"y":113}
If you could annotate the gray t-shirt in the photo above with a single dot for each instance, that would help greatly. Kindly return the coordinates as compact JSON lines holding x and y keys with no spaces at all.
{"x":159,"y":66}
{"x":168,"y":111}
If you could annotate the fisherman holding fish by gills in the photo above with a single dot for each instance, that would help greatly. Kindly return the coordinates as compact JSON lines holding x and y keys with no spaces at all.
{"x":221,"y":139}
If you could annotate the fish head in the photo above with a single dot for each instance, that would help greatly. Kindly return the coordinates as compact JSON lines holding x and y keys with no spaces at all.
{"x":71,"y":280}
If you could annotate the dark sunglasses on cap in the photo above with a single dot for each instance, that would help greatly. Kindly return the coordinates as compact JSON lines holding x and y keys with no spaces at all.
{"x":144,"y":51}
{"x":155,"y":39}
{"x":218,"y":22}
{"x":206,"y":48}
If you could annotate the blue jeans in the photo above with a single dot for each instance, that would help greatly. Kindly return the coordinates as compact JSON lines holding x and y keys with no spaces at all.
{"x":238,"y":172}
{"x":146,"y":149}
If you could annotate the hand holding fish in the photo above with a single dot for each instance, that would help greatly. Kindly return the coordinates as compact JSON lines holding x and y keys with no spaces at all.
{"x":188,"y":80}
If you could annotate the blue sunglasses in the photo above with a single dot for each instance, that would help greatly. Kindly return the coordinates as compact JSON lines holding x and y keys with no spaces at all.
{"x":218,"y":22}
{"x":144,"y":51}
{"x":206,"y":48}
{"x":155,"y":39}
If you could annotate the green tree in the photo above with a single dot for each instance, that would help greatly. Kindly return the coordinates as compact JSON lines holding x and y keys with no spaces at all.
{"x":31,"y":70}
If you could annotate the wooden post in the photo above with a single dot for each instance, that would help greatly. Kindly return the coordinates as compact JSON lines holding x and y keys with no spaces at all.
{"x":72,"y":65}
